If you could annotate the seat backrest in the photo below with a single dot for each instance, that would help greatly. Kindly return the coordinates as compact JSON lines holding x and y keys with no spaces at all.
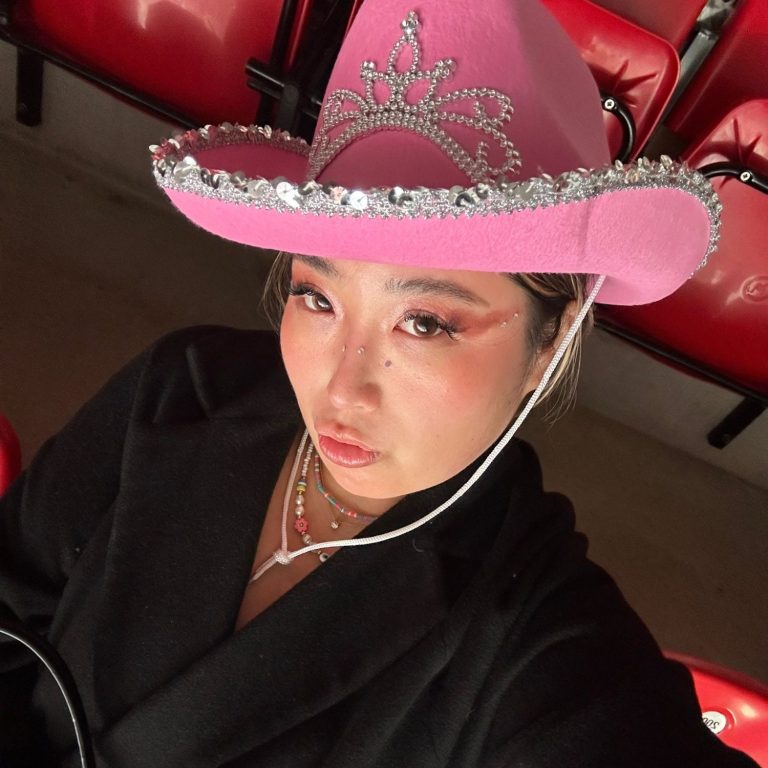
{"x":188,"y":54}
{"x":10,"y":454}
{"x":637,"y":67}
{"x":671,"y":19}
{"x":735,"y":71}
{"x":733,"y":706}
{"x":719,"y":318}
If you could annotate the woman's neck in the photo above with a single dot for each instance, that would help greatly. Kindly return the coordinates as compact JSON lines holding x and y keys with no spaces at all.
{"x":360,"y":504}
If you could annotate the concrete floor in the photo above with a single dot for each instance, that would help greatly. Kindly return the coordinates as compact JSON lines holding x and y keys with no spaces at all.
{"x":95,"y":265}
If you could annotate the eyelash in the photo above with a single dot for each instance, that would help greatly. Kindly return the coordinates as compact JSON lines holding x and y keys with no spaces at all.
{"x":450,"y":329}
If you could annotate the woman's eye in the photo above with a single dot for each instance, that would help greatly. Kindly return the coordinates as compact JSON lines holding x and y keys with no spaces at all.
{"x":426,"y":326}
{"x":313,"y":300}
{"x":317,"y":302}
{"x":419,"y":324}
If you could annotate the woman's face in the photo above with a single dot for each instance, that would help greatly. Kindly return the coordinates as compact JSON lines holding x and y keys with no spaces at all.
{"x":424,"y":367}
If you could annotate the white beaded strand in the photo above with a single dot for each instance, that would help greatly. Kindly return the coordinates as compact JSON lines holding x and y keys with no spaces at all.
{"x":300,"y":523}
{"x":282,"y":555}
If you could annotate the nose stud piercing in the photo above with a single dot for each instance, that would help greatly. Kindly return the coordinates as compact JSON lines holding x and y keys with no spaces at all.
{"x":361,"y":351}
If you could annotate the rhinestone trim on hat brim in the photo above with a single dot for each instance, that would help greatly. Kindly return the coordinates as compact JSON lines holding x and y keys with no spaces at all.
{"x":176,"y":168}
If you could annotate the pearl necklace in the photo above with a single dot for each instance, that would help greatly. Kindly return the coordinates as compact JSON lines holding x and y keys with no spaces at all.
{"x":300,"y":524}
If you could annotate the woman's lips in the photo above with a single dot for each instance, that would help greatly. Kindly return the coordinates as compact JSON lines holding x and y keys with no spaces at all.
{"x":344,"y":454}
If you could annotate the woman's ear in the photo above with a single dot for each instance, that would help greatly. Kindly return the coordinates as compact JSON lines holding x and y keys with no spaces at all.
{"x":544,"y":357}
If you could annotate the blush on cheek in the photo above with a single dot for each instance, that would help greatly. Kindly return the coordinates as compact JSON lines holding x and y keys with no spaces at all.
{"x":294,"y":347}
{"x":294,"y":333}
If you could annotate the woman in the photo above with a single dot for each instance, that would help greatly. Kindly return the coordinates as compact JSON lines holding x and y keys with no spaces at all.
{"x":327,"y":550}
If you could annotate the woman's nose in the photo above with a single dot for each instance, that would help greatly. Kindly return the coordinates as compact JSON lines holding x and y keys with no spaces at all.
{"x":352,"y":384}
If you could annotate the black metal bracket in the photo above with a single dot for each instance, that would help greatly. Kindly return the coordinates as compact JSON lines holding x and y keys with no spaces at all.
{"x":287,"y":91}
{"x":624,"y":116}
{"x":750,"y":407}
{"x":283,"y":33}
{"x":29,"y":87}
{"x":298,"y":92}
{"x":5,"y":15}
{"x":742,"y":173}
{"x":735,"y":422}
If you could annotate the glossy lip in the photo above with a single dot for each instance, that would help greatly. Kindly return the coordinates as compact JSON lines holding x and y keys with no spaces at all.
{"x":345,"y":454}
{"x":342,"y":435}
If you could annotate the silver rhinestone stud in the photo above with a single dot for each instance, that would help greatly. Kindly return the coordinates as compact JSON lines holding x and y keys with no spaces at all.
{"x":356,"y":199}
{"x":288,"y":193}
{"x":257,"y":188}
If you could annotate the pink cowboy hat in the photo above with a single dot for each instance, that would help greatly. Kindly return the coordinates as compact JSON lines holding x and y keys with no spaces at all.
{"x":453,"y":137}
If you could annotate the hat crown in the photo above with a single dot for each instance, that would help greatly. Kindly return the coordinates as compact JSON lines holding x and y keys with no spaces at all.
{"x":430,"y":93}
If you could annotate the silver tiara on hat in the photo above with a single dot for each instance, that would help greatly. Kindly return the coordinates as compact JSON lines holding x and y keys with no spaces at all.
{"x":424,"y":117}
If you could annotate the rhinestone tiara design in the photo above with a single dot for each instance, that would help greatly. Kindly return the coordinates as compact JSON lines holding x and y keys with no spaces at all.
{"x":425,"y":117}
{"x":175,"y":168}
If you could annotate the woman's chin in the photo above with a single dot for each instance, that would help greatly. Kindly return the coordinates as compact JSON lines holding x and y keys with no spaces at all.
{"x":364,"y":483}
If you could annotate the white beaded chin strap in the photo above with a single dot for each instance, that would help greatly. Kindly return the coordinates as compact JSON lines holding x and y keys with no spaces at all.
{"x":284,"y":556}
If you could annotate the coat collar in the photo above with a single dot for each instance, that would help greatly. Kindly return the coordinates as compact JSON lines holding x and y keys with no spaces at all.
{"x":185,"y":531}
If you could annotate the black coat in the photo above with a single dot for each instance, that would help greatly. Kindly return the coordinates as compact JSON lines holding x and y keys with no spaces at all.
{"x":484,"y":639}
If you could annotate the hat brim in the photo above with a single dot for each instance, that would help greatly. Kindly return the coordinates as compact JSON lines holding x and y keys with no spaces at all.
{"x":647,"y":226}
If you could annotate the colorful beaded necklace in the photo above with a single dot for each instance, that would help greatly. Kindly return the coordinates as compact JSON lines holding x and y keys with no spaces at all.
{"x":300,"y":524}
{"x":335,"y":523}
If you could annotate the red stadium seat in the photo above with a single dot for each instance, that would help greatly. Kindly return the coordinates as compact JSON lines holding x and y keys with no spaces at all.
{"x":671,"y":19}
{"x":718,"y":321}
{"x":733,"y":706}
{"x":734,"y":72}
{"x":187,"y":55}
{"x":10,"y":454}
{"x":636,"y":68}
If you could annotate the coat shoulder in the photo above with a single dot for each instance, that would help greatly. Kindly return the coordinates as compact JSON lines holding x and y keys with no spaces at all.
{"x":210,"y":371}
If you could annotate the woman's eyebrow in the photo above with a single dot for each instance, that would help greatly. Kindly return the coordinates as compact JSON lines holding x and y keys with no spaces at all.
{"x":324,"y":266}
{"x":415,"y":285}
{"x":435,"y":287}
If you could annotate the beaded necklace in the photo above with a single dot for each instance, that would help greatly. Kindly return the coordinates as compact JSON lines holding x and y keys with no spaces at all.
{"x":350,"y":513}
{"x":300,"y":524}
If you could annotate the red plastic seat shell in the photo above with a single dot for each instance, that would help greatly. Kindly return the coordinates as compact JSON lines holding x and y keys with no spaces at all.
{"x":734,"y":72}
{"x":634,"y":65}
{"x":189,"y":54}
{"x":739,"y":701}
{"x":10,"y":454}
{"x":671,"y":19}
{"x":719,"y":318}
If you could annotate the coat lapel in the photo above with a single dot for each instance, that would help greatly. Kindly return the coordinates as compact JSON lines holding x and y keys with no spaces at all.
{"x":166,"y":660}
{"x":200,"y":465}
